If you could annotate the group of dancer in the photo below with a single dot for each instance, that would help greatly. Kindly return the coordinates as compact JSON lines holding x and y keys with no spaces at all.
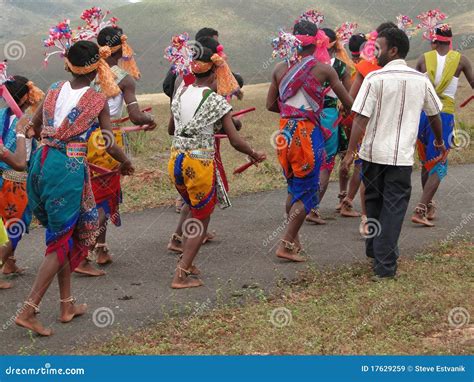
{"x":62,"y":161}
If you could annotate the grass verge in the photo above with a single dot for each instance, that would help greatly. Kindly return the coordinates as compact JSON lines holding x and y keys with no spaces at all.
{"x":332,"y":312}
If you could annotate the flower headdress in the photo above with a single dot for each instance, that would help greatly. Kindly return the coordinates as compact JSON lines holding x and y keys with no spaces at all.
{"x":313,"y":16}
{"x":321,"y":41}
{"x":3,"y":72}
{"x":429,"y":21}
{"x":405,"y":23}
{"x":96,"y":20}
{"x":182,"y":55}
{"x":286,"y":47}
{"x":343,"y":35}
{"x":60,"y":39}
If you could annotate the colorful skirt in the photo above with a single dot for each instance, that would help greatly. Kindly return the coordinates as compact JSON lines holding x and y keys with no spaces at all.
{"x":425,"y":144}
{"x":329,"y":117}
{"x":60,"y":196}
{"x":14,"y":209}
{"x":108,"y":195}
{"x":301,"y":153}
{"x":194,"y":176}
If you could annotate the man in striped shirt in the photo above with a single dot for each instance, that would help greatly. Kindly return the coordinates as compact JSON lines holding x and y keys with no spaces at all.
{"x":388,"y":108}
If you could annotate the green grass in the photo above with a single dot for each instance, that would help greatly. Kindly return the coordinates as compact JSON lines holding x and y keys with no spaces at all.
{"x":329,"y":312}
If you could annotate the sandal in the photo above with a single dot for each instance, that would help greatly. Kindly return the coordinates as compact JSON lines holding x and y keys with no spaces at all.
{"x":106,"y":250}
{"x":347,"y":209}
{"x":174,"y":248}
{"x":341,"y":196}
{"x":294,"y":254}
{"x":420,"y":215}
{"x":431,"y":210}
{"x":187,"y":282}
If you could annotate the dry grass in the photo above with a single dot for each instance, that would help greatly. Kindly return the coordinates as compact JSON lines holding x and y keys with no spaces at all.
{"x":334,"y":312}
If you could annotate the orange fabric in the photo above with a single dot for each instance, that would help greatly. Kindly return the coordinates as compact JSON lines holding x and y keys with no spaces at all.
{"x":365,"y":67}
{"x":13,"y":200}
{"x":297,"y":159}
{"x":105,"y":77}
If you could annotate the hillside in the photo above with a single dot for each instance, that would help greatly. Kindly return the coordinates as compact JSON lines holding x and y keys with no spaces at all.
{"x":246,"y":29}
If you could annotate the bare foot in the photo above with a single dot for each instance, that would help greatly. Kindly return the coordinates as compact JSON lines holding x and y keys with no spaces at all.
{"x":10,"y":267}
{"x":289,"y":255}
{"x":347,"y":210}
{"x":363,"y":226}
{"x":5,"y":285}
{"x":104,"y":256}
{"x":315,"y":217}
{"x":209,"y":237}
{"x":418,"y":218}
{"x":175,"y":246}
{"x":85,"y":268}
{"x":27,"y":319}
{"x":182,"y":280}
{"x":69,"y":311}
{"x":194,"y":270}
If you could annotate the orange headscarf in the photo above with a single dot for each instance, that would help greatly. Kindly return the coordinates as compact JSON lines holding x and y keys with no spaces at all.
{"x":105,"y":77}
{"x":34,"y":96}
{"x":128,"y":62}
{"x":227,"y":85}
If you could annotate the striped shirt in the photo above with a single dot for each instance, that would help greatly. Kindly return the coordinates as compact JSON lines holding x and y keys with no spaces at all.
{"x":393,"y":98}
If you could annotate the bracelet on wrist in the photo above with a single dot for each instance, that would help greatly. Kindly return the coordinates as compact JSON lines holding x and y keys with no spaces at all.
{"x":438,"y":146}
{"x":20,"y":135}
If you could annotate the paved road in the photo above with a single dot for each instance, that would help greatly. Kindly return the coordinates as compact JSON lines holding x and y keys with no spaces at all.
{"x":136,"y":289}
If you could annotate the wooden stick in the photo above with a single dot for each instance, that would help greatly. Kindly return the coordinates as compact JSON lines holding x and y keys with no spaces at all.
{"x":128,"y":129}
{"x":125,"y":119}
{"x":243,"y":111}
{"x":467,"y":101}
{"x":241,"y":169}
{"x":10,"y":101}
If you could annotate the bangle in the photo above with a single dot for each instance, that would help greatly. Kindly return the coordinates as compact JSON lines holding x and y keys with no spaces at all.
{"x":132,"y":103}
{"x":438,"y":146}
{"x":20,"y":135}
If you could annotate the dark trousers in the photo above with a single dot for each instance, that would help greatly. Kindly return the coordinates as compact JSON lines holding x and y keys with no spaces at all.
{"x":387,"y":193}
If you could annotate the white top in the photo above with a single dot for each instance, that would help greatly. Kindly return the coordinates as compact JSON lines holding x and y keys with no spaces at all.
{"x":116,"y":106}
{"x":190,"y":100}
{"x":298,"y":101}
{"x":393,"y":98}
{"x":451,"y":89}
{"x":68,"y":98}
